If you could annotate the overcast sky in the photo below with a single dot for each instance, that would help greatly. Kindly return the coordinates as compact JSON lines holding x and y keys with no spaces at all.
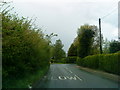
{"x":64,"y":17}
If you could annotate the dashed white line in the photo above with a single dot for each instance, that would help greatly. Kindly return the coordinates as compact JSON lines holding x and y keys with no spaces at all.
{"x":66,"y":68}
{"x":69,"y":70}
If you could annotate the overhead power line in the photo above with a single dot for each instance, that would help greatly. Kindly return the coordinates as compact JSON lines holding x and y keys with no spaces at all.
{"x":109,"y":13}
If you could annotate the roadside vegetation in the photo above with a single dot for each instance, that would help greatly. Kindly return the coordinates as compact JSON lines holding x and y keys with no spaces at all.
{"x":105,"y":62}
{"x":25,"y":51}
{"x":85,"y":51}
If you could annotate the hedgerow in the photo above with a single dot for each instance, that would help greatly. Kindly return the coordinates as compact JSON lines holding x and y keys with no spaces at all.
{"x":71,"y":59}
{"x":25,"y":49}
{"x":106,"y":62}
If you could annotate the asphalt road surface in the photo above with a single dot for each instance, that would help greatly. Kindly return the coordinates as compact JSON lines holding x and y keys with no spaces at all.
{"x":70,"y":76}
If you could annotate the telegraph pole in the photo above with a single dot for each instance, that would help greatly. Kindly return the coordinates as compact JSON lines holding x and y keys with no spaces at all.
{"x":100,"y":36}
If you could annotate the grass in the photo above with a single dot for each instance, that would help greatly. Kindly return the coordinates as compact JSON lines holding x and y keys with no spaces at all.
{"x":27,"y":80}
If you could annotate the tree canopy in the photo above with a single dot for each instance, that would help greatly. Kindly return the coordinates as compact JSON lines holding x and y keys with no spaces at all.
{"x":58,"y":52}
{"x":86,"y":43}
{"x":72,"y":50}
{"x":114,"y":46}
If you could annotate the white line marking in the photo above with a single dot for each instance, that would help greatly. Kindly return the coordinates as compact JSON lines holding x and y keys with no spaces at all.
{"x":70,"y":71}
{"x":51,"y":78}
{"x":62,"y":77}
{"x":71,"y":78}
{"x":78,"y":77}
{"x":67,"y":68}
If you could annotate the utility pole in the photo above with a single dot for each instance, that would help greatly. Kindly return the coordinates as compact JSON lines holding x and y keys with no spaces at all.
{"x":100,"y":36}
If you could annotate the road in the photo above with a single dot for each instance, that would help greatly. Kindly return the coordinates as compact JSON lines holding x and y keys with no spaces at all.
{"x":70,"y":76}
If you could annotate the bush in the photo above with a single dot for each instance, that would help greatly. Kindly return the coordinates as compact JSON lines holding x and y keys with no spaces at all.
{"x":118,"y":52}
{"x":91,"y":61}
{"x":106,"y":62}
{"x":79,"y":61}
{"x":114,"y":46}
{"x":71,"y":59}
{"x":25,"y":49}
{"x":63,"y":60}
{"x":110,"y":63}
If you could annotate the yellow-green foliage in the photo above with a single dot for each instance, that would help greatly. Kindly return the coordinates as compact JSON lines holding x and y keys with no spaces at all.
{"x":110,"y":63}
{"x":24,"y":48}
{"x":107,"y":62}
{"x":91,"y":61}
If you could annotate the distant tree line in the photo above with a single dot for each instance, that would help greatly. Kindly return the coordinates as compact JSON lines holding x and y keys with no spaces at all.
{"x":85,"y":51}
{"x":112,"y":46}
{"x":87,"y":43}
{"x":57,"y":52}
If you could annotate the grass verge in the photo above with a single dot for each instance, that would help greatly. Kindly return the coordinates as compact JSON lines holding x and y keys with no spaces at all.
{"x":25,"y":81}
{"x":101,"y":73}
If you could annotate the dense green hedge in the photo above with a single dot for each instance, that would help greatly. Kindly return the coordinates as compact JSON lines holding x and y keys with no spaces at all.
{"x":63,"y":60}
{"x":79,"y":61}
{"x":91,"y":61}
{"x":25,"y":49}
{"x":71,"y":59}
{"x":110,"y":63}
{"x":106,"y":62}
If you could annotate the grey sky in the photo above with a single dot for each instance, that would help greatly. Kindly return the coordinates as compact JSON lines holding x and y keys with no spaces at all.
{"x":63,"y":17}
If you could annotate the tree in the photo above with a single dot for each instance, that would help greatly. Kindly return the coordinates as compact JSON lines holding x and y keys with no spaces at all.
{"x":95,"y":41}
{"x":85,"y":37}
{"x":72,"y":50}
{"x":58,"y":52}
{"x":106,"y":46}
{"x":114,"y":46}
